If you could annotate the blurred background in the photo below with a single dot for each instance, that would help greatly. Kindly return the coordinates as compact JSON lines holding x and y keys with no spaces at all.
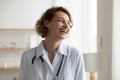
{"x":95,"y":32}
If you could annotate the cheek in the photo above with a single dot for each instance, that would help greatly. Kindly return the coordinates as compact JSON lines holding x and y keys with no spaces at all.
{"x":53,"y":29}
{"x":69,"y":29}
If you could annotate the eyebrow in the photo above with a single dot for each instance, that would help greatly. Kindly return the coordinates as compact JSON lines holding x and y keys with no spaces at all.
{"x":62,"y":18}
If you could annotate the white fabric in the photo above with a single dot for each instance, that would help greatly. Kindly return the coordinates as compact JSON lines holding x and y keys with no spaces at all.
{"x":72,"y":67}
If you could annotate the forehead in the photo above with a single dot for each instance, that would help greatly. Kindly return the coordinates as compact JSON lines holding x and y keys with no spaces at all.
{"x":61,"y":14}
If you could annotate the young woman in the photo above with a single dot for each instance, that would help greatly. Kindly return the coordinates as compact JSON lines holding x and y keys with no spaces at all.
{"x":53,"y":59}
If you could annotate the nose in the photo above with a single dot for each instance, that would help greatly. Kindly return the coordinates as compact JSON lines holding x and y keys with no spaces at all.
{"x":67,"y":25}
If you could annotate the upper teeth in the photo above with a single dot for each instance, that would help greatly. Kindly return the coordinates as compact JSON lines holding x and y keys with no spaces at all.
{"x":63,"y":30}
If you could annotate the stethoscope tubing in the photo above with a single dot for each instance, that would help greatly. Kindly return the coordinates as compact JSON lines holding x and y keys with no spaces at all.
{"x":41,"y":58}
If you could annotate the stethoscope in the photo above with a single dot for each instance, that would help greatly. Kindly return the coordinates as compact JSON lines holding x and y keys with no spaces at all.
{"x":41,"y":58}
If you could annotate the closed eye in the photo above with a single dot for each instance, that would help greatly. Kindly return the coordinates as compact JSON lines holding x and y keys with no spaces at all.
{"x":59,"y":20}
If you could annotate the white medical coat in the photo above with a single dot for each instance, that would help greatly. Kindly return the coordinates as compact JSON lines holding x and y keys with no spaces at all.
{"x":72,"y":66}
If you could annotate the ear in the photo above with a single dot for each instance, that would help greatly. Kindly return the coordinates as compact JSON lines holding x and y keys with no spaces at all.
{"x":46,"y":22}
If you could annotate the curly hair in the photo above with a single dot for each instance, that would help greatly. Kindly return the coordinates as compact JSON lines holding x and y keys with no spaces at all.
{"x":41,"y":29}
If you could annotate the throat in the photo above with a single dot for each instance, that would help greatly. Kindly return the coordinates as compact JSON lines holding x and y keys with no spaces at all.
{"x":51,"y":47}
{"x":51,"y":57}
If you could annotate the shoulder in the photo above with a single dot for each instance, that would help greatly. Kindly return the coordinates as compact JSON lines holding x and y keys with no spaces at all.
{"x":29,"y":53}
{"x":73,"y":49}
{"x":75,"y":53}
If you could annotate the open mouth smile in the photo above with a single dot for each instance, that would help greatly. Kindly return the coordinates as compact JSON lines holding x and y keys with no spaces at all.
{"x":63,"y":30}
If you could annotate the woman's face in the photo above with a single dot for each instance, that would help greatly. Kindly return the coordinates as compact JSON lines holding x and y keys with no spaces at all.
{"x":59,"y":26}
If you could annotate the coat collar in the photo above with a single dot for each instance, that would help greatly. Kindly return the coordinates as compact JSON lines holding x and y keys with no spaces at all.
{"x":40,"y":50}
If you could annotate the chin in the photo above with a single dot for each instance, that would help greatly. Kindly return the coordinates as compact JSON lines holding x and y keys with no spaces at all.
{"x":63,"y":37}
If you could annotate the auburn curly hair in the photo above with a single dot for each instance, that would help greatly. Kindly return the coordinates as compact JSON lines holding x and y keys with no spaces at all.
{"x":41,"y":29}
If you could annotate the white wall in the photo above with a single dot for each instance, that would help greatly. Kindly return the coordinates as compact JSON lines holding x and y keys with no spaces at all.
{"x":21,"y":13}
{"x":116,"y":41}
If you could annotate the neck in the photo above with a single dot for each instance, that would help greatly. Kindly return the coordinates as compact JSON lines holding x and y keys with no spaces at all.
{"x":51,"y":45}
